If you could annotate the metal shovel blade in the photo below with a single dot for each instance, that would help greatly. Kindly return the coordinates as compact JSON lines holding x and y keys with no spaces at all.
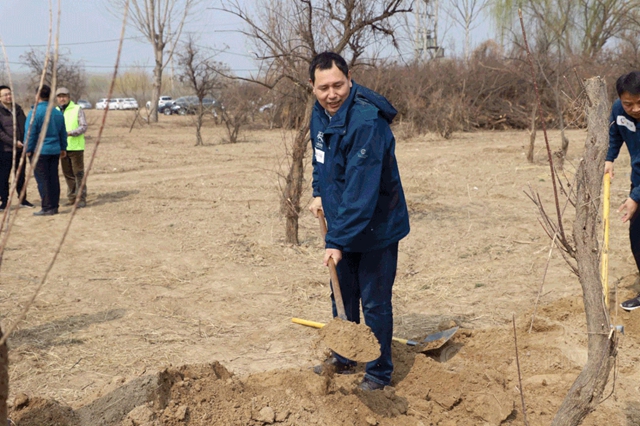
{"x":434,"y":341}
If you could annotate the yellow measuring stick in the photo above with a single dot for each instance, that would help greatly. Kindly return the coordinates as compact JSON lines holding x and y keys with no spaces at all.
{"x":604,"y":260}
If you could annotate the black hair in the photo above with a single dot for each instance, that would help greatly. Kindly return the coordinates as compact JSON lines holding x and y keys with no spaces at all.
{"x":629,"y":83}
{"x":2,"y":87}
{"x":45,"y":93}
{"x":325,"y":61}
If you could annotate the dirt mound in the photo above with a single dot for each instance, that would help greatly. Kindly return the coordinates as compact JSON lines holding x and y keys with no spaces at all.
{"x":469,"y":381}
{"x":209,"y":394}
{"x":351,"y":340}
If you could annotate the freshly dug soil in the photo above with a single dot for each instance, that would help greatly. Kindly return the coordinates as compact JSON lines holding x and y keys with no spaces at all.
{"x":351,"y":340}
{"x":179,"y":259}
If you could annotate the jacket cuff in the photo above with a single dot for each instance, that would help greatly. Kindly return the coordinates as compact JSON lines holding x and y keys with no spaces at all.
{"x":329,"y":245}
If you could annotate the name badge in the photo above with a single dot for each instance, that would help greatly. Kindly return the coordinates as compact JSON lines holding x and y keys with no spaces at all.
{"x":624,"y":121}
{"x":319,"y":156}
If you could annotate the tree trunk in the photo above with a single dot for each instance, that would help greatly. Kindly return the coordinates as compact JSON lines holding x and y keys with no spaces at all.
{"x":588,"y":389}
{"x":562,"y":153}
{"x":199,"y":117}
{"x":4,"y":381}
{"x":157,"y":84}
{"x":292,"y":193}
{"x":532,"y":133}
{"x":199,"y":141}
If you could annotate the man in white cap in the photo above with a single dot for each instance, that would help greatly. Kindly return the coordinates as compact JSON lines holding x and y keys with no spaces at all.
{"x":73,"y":163}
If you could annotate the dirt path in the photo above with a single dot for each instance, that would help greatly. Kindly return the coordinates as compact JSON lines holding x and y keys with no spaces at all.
{"x":179,"y":260}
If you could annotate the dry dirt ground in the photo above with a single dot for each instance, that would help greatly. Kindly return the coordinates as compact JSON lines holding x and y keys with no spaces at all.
{"x":171,"y":300}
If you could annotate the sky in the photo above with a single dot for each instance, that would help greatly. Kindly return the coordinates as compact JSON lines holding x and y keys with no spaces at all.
{"x":89,"y":33}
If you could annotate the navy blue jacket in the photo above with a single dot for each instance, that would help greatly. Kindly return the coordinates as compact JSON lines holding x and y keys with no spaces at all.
{"x":356,"y":174}
{"x":622,"y":129}
{"x":625,"y":129}
{"x":55,"y":139}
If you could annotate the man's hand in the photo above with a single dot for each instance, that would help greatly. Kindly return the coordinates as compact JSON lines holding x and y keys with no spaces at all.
{"x":63,"y":154}
{"x":19,"y":144}
{"x":315,"y":206}
{"x":630,"y":206}
{"x":335,"y":254}
{"x":608,"y":168}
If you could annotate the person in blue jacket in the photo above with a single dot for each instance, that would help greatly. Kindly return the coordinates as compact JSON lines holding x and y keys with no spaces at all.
{"x":624,"y":128}
{"x":54,"y":146}
{"x":356,"y":183}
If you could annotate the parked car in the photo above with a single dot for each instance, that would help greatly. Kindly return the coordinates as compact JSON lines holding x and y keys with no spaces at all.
{"x":84,"y":104}
{"x":130,"y":103}
{"x":116,"y":103}
{"x":102,"y":103}
{"x":161,"y":102}
{"x":167,"y":108}
{"x":189,"y":105}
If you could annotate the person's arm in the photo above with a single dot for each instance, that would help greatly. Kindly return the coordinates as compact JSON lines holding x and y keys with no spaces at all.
{"x":615,"y":143}
{"x":5,"y":138}
{"x":32,"y":134}
{"x":62,"y":135}
{"x":362,"y":172}
{"x":82,"y":125}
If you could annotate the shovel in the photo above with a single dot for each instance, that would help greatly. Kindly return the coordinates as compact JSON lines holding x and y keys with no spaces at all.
{"x":335,"y":284}
{"x":353,"y":341}
{"x":430,"y":343}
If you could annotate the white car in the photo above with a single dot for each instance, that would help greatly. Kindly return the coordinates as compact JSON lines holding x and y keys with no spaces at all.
{"x":161,"y":102}
{"x":130,"y":103}
{"x":102,"y":103}
{"x":115,"y":103}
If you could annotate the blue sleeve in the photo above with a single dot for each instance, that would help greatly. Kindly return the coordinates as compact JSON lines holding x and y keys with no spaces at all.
{"x":62,"y":133}
{"x":314,"y":174}
{"x":615,"y":138}
{"x":363,"y":171}
{"x":34,"y":132}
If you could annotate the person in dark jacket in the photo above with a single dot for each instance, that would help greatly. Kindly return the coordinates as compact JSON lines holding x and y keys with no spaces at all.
{"x":54,"y":146}
{"x":7,"y":124}
{"x":356,"y":183}
{"x":623,"y":129}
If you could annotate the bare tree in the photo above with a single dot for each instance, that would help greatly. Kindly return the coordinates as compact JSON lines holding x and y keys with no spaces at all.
{"x":465,"y":13}
{"x":240,"y":105}
{"x":201,"y":74}
{"x":70,"y":74}
{"x":573,"y":27}
{"x":161,"y":22}
{"x":287,"y":34}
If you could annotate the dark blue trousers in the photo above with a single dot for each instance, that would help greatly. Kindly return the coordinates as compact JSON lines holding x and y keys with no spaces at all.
{"x":46,"y":173}
{"x":6,"y":159}
{"x":369,"y":277}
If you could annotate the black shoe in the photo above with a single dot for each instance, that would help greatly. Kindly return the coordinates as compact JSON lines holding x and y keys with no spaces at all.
{"x":369,"y":385}
{"x":82,"y":204}
{"x":27,"y":204}
{"x":46,"y":212}
{"x":332,"y":364}
{"x":631,"y":304}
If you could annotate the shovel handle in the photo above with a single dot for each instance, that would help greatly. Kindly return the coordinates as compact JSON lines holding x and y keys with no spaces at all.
{"x":335,"y":283}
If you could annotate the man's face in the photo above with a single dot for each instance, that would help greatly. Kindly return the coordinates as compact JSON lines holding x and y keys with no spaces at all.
{"x":62,"y":99}
{"x":631,"y":104}
{"x":5,"y":96}
{"x":331,"y":88}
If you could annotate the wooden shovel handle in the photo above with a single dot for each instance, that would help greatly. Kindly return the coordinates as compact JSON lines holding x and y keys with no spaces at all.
{"x":335,"y":283}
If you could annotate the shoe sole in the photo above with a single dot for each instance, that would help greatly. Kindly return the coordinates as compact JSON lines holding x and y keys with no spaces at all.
{"x":628,"y":309}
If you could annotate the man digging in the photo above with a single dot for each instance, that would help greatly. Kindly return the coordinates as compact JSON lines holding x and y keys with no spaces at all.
{"x":357,"y":185}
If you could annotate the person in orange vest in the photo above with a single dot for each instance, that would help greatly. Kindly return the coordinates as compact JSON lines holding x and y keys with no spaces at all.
{"x":73,"y":163}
